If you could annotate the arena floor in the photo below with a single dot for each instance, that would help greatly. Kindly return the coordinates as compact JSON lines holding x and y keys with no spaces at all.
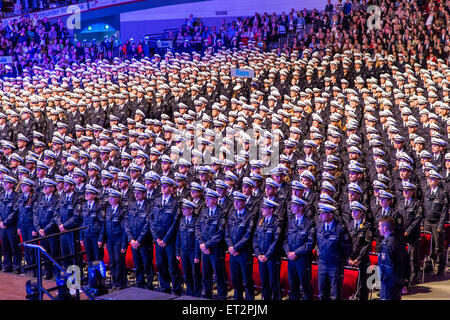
{"x":12,"y":287}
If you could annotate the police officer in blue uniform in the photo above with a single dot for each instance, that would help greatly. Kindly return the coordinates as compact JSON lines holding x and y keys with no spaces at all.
{"x":68,"y":217}
{"x":188,"y":249}
{"x":114,"y":235}
{"x":361,"y":233}
{"x":92,"y":217}
{"x":392,"y":261}
{"x":8,"y":226}
{"x":267,"y":248}
{"x":210,"y":234}
{"x":298,"y":245}
{"x":435,"y":207}
{"x":411,"y":209}
{"x":140,"y":238}
{"x":44,"y":222}
{"x":334,"y":247}
{"x":163,"y":228}
{"x":25,"y":204}
{"x":238,"y":237}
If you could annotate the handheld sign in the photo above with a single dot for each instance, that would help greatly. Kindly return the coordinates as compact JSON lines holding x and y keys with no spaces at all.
{"x":243,"y":73}
{"x":164,"y":44}
{"x":5,"y":59}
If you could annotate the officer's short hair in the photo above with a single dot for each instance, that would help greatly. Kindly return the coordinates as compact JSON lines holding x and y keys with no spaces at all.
{"x":388,"y":222}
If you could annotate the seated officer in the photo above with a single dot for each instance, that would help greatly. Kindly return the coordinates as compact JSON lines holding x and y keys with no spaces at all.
{"x":188,"y":249}
{"x":266,"y":247}
{"x":298,"y":245}
{"x":334,"y":247}
{"x":238,"y":237}
{"x":361,"y":232}
{"x":210,"y":234}
{"x":140,"y":238}
{"x":392,"y":261}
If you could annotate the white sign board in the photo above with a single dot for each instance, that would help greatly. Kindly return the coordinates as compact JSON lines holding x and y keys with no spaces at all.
{"x":243,"y":73}
{"x":5,"y":59}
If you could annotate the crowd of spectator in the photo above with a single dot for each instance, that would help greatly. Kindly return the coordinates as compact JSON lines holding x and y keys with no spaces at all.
{"x":336,"y":105}
{"x":414,"y":29}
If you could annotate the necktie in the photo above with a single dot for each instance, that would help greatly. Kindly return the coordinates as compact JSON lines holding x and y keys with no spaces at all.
{"x":164,"y":202}
{"x":90,"y":206}
{"x":298,"y":222}
{"x":356,"y":225}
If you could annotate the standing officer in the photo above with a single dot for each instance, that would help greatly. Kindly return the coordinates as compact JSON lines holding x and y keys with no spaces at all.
{"x":8,"y":226}
{"x":392,"y":261}
{"x":435,"y":213}
{"x":140,"y":238}
{"x":210,"y":234}
{"x":334,"y":247}
{"x":163,"y":228}
{"x":298,"y":244}
{"x":113,"y":234}
{"x":25,"y":227}
{"x":92,"y":217}
{"x":238,"y":237}
{"x":188,"y":249}
{"x":387,"y":209}
{"x":266,"y":246}
{"x":411,"y":209}
{"x":361,"y":233}
{"x":68,"y":217}
{"x":44,"y":222}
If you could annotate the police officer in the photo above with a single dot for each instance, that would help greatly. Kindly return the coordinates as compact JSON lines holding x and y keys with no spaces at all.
{"x":361,"y":233}
{"x":114,"y":235}
{"x":298,"y":244}
{"x":44,"y":222}
{"x":92,"y":217}
{"x":140,"y":238}
{"x":188,"y":249}
{"x":210,"y":234}
{"x":435,"y":206}
{"x":334,"y":247}
{"x":392,"y":261}
{"x":411,"y":209}
{"x":163,"y":229}
{"x":25,"y":227}
{"x":8,"y":226}
{"x":68,"y":217}
{"x":387,"y":209}
{"x":266,"y":246}
{"x":238,"y":237}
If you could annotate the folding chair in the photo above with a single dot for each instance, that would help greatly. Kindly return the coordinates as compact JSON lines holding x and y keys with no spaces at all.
{"x":351,"y":283}
{"x":315,"y":279}
{"x":374,"y":246}
{"x":373,"y":257}
{"x":256,"y":277}
{"x":284,"y":280}
{"x":447,"y":240}
{"x":426,"y":247}
{"x":228,"y":270}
